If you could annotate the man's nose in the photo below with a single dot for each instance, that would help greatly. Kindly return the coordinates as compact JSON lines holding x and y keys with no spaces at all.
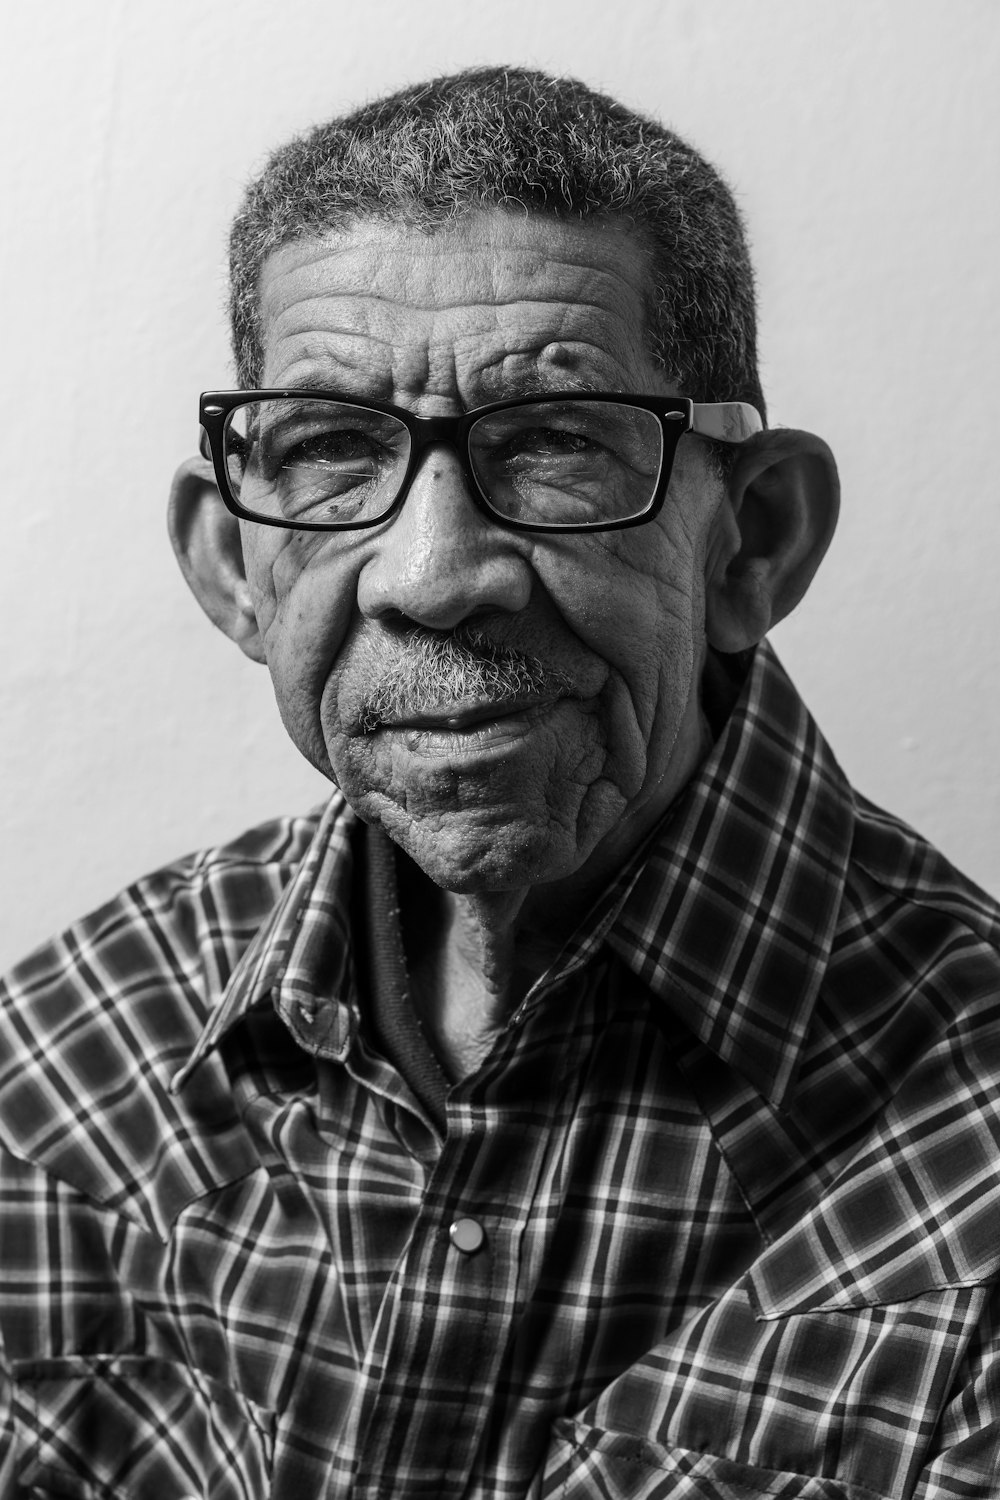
{"x":440,"y":561}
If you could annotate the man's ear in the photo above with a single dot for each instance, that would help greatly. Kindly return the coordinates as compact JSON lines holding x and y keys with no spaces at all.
{"x":773,"y":527}
{"x":206,"y":539}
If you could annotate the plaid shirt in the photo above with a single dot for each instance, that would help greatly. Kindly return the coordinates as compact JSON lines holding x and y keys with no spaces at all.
{"x":733,"y":1166}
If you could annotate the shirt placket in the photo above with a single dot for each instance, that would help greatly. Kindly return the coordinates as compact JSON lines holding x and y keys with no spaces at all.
{"x":427,"y":1389}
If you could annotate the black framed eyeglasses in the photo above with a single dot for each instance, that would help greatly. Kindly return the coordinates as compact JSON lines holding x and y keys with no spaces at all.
{"x":313,"y":460}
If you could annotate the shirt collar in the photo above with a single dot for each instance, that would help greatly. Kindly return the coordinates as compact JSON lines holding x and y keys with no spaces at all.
{"x":728,"y":914}
{"x":732,"y":916}
{"x":301,"y":958}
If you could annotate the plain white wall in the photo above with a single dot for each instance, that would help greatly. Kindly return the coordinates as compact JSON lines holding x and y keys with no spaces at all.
{"x":864,"y":142}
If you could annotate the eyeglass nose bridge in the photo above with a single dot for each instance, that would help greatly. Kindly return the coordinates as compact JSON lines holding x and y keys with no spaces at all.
{"x":433,"y":432}
{"x":428,"y":430}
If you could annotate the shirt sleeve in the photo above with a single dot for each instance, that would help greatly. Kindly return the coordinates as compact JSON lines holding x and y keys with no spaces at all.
{"x":965,"y":1462}
{"x":8,"y":1443}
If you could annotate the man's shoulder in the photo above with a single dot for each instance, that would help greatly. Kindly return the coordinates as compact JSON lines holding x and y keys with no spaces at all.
{"x":182,"y":926}
{"x":925,"y":920}
{"x":914,"y":975}
{"x":95,"y":1023}
{"x":896,"y":857}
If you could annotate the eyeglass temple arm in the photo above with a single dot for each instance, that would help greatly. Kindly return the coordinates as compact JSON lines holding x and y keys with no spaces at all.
{"x":726,"y":421}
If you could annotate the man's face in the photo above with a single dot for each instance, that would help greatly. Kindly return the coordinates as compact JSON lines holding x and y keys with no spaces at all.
{"x":484,"y":793}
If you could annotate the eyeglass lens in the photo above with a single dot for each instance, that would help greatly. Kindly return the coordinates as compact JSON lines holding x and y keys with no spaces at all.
{"x":301,"y":459}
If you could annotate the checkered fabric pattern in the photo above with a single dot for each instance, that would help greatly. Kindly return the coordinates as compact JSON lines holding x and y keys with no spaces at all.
{"x":734,"y":1166}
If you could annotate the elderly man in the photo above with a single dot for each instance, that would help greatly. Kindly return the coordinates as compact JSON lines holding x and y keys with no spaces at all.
{"x":596,"y":1098}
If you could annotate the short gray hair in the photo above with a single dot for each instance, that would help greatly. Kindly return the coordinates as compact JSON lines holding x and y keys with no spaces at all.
{"x":511,"y":137}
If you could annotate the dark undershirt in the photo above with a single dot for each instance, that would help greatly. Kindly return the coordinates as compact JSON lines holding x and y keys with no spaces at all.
{"x":391,"y":1014}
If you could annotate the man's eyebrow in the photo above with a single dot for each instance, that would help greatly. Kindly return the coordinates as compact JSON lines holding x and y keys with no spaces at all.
{"x":558,"y":381}
{"x":360,"y":385}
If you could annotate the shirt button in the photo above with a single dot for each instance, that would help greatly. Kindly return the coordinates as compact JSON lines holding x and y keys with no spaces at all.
{"x":307,"y":1011}
{"x":467,"y":1235}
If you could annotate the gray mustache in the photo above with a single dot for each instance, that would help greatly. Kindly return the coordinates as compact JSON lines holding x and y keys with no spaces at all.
{"x":427,"y":672}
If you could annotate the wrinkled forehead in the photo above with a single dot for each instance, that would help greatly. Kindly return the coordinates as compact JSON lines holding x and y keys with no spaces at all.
{"x":485,"y":289}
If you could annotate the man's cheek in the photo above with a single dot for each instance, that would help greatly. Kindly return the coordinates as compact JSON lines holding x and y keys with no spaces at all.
{"x":302,"y":627}
{"x":303,"y":613}
{"x":626,"y":616}
{"x":279,"y":562}
{"x":259,"y":563}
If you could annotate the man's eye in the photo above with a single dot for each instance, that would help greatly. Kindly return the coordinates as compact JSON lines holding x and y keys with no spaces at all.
{"x":329,"y":450}
{"x":561,"y":438}
{"x":548,"y":442}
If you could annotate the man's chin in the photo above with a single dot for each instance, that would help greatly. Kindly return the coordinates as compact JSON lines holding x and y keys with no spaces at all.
{"x":478,"y":850}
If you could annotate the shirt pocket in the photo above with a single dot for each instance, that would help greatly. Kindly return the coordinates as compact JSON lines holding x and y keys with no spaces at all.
{"x":588,"y":1463}
{"x":136,"y":1428}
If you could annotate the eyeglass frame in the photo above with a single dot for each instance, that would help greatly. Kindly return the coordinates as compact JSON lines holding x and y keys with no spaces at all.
{"x":721,"y":421}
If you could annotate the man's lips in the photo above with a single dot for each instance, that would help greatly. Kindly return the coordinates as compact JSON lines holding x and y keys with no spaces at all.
{"x":460,"y":717}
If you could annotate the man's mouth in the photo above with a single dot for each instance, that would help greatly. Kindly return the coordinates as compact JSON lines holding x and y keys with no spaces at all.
{"x":459,"y":718}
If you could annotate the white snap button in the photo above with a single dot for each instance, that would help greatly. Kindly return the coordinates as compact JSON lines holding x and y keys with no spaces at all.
{"x":467,"y":1235}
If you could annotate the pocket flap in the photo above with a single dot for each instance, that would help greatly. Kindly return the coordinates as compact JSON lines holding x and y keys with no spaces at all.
{"x":584,"y":1462}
